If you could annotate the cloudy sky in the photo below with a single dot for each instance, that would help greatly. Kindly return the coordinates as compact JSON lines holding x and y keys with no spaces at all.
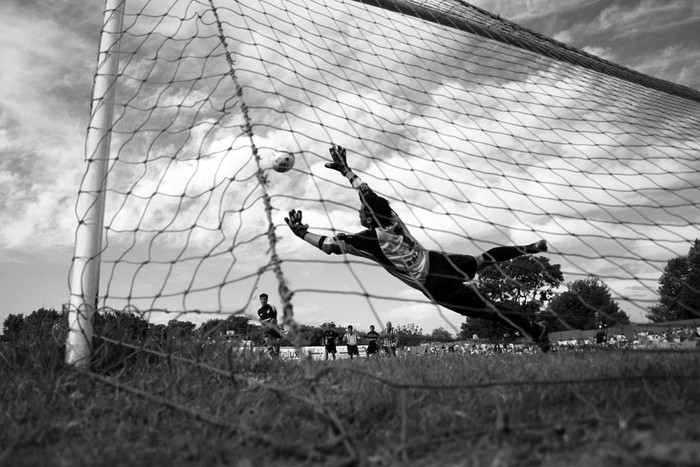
{"x":49,"y":54}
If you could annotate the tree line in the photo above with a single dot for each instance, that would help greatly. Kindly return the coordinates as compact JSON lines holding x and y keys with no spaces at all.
{"x":527,"y":284}
{"x":123,"y":326}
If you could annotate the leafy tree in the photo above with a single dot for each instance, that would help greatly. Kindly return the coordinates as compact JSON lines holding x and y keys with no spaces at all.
{"x":582,"y":304}
{"x":12,"y":327}
{"x":310,"y":335}
{"x":409,"y":335}
{"x":217,"y":328}
{"x":116,"y":332}
{"x":122,"y":326}
{"x":159,"y":333}
{"x":213,"y":328}
{"x":485,"y":329}
{"x":38,"y":325}
{"x":441,"y":335}
{"x":524,"y":284}
{"x":239,"y":324}
{"x":523,"y":281}
{"x":42,"y":321}
{"x":37,"y":340}
{"x":679,"y":288}
{"x":177,"y":329}
{"x":314,"y":336}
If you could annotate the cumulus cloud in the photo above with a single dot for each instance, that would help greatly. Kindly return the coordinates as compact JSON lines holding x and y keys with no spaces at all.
{"x":475,"y":145}
{"x":44,"y":91}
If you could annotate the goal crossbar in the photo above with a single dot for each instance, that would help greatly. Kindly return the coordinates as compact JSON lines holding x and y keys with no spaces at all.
{"x":534,"y":42}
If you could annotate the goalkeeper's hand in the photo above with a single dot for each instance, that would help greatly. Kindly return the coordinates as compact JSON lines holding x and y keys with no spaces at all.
{"x":294,"y":223}
{"x":340,"y":162}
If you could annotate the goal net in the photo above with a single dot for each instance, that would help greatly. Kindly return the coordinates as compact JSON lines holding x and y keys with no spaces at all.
{"x":479,"y":133}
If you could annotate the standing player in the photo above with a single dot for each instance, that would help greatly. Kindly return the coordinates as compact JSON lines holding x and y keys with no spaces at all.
{"x":268,"y":318}
{"x":439,"y":276}
{"x":372,"y":337}
{"x":350,"y":339}
{"x":329,"y":337}
{"x":389,"y":340}
{"x":601,"y":333}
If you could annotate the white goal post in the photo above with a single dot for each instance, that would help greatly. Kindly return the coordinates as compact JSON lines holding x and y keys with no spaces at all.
{"x":479,"y":132}
{"x":85,"y":269}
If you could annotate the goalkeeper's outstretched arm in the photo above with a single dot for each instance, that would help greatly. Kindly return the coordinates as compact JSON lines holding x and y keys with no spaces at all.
{"x":340,"y":164}
{"x":375,"y":212}
{"x":376,"y":207}
{"x":301,"y":230}
{"x":322,"y":242}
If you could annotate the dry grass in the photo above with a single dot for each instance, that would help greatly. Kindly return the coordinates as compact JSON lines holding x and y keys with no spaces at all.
{"x":222,"y":408}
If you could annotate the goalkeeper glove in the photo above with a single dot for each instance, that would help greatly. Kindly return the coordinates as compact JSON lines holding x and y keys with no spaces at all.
{"x":294,"y":223}
{"x":340,"y":162}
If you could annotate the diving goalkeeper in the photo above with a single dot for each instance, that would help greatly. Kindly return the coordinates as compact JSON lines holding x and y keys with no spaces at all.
{"x":440,"y":276}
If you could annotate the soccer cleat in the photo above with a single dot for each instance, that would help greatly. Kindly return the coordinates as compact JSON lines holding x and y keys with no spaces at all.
{"x":540,"y":246}
{"x":537,"y":247}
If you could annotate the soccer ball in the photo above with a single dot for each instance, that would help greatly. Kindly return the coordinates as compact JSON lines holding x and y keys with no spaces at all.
{"x":282,"y":160}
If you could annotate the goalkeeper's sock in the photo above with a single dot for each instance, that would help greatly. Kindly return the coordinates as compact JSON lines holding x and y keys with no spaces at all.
{"x":505,"y":253}
{"x":537,"y":247}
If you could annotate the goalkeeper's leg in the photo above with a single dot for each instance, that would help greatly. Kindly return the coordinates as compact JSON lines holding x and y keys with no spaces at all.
{"x":468,"y":306}
{"x":466,"y":301}
{"x":506,"y":253}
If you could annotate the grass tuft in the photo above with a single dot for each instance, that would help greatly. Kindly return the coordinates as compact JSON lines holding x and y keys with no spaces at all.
{"x":210,"y":405}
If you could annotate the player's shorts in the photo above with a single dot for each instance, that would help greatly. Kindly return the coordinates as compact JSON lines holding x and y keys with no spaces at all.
{"x":272,"y":333}
{"x":452,"y":267}
{"x":372,"y":348}
{"x":353,"y":350}
{"x":445,"y":285}
{"x":330,"y":348}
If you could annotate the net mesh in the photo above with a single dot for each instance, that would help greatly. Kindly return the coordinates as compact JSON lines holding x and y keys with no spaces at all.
{"x":479,"y":133}
{"x":476,"y":142}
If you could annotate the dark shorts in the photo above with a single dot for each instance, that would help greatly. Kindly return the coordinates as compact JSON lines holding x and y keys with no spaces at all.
{"x":459,"y":268}
{"x":272,"y":333}
{"x":330,"y":348}
{"x":445,"y":286}
{"x":372,"y":347}
{"x":353,"y":350}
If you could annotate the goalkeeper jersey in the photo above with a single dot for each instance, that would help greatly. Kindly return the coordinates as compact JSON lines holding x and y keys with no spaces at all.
{"x":392,"y":246}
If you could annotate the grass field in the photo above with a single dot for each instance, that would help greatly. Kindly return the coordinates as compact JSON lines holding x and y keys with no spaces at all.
{"x":213,"y":407}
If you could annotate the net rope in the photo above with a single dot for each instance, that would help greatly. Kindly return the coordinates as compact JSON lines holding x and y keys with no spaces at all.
{"x":474,"y":142}
{"x":479,"y":132}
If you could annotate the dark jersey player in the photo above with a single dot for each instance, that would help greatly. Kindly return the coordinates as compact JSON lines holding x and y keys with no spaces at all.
{"x":329,"y":337}
{"x":268,"y":318}
{"x":372,"y":338}
{"x":440,"y":276}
